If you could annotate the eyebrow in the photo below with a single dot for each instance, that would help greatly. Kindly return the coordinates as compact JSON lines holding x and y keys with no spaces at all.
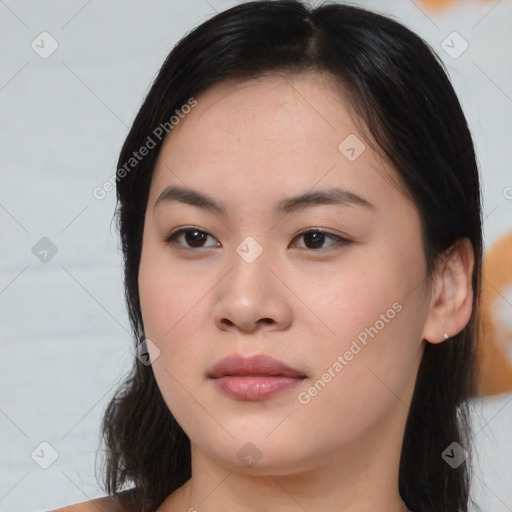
{"x":331,"y":196}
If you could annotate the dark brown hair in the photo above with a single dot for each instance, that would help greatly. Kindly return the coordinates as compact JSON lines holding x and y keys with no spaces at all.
{"x":400,"y":93}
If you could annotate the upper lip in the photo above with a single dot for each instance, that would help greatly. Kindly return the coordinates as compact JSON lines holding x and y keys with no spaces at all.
{"x":260,"y":364}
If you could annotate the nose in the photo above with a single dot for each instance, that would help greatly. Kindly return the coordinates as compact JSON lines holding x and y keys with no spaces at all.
{"x":252,"y":297}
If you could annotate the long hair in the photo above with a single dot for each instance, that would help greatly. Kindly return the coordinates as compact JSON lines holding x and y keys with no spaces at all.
{"x":399,"y":92}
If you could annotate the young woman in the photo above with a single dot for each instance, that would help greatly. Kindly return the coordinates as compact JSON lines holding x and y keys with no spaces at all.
{"x":299,"y":210}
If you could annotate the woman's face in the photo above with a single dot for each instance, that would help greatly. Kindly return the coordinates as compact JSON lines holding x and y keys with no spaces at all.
{"x":256,"y":277}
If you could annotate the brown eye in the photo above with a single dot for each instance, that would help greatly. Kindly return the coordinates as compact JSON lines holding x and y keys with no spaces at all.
{"x":315,"y":238}
{"x":192,"y":237}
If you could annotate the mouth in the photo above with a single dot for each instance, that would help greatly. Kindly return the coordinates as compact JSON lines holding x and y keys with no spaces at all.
{"x":254,"y":378}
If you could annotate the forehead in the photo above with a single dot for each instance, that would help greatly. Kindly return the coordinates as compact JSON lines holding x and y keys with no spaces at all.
{"x":272,"y":133}
{"x":263,"y":107}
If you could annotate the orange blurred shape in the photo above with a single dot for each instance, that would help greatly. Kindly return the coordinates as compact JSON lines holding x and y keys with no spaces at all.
{"x":437,"y":5}
{"x":495,"y":366}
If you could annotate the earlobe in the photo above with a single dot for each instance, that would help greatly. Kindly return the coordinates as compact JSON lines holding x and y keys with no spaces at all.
{"x":452,"y":293}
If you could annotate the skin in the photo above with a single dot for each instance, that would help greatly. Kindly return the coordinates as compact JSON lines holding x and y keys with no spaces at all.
{"x":251,"y":144}
{"x":106,"y":504}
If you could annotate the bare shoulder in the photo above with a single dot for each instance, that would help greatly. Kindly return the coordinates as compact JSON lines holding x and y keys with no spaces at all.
{"x":106,"y":504}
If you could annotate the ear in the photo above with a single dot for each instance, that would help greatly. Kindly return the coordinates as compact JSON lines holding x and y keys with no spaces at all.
{"x":452,"y":293}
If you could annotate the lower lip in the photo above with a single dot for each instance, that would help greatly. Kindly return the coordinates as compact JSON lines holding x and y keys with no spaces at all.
{"x":255,"y":388}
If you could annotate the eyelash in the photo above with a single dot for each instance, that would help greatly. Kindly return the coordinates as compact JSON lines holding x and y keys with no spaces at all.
{"x":171,"y":238}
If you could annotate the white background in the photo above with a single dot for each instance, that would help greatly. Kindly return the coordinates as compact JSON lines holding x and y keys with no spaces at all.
{"x":65,"y":340}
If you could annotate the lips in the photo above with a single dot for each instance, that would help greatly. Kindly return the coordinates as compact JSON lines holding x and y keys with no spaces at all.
{"x":257,"y":365}
{"x":254,"y":378}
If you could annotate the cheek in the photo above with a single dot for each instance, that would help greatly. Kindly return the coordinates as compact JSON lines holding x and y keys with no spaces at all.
{"x":173,"y":301}
{"x":365,"y":373}
{"x":167,"y":303}
{"x":376,"y":332}
{"x":170,"y":294}
{"x":377,"y":320}
{"x":366,"y":295}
